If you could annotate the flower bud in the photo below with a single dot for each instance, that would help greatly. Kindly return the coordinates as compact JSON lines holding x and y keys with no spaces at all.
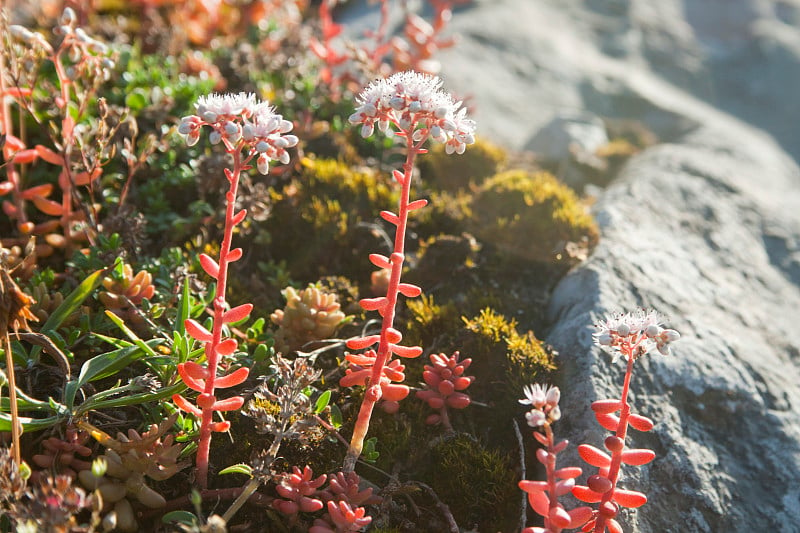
{"x":214,"y":137}
{"x":623,"y":330}
{"x":68,"y":17}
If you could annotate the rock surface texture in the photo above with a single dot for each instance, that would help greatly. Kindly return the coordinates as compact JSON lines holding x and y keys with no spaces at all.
{"x":704,"y":227}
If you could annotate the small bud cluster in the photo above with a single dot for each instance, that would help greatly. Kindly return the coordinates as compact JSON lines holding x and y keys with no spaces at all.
{"x":311,"y":314}
{"x":240,"y":121}
{"x":416,"y":104}
{"x":445,"y":381}
{"x":300,"y":492}
{"x":544,"y":401}
{"x":636,"y":333}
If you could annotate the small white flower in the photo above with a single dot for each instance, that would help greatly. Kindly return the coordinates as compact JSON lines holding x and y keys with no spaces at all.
{"x":225,"y":104}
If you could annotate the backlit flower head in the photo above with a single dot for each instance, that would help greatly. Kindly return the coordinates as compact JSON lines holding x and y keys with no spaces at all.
{"x":634,"y":334}
{"x":544,"y":400}
{"x":416,"y":104}
{"x":240,"y":121}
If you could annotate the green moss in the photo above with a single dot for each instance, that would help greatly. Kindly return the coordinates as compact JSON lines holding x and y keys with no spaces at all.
{"x":453,"y":172}
{"x":324,"y":218}
{"x":503,"y":361}
{"x":531,"y":216}
{"x":446,"y":213}
{"x":478,"y":483}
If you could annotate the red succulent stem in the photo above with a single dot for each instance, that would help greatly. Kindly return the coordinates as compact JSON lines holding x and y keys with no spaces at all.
{"x":550,"y":469}
{"x":7,"y":128}
{"x":622,"y":429}
{"x":212,"y":353}
{"x":373,"y":392}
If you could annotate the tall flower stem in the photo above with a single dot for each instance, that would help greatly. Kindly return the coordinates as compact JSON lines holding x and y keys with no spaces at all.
{"x":373,"y":393}
{"x":220,"y":304}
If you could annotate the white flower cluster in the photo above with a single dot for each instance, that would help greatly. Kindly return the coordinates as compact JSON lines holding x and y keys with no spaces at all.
{"x":544,"y":400}
{"x":637,"y":333}
{"x":416,"y":104}
{"x":241,"y":121}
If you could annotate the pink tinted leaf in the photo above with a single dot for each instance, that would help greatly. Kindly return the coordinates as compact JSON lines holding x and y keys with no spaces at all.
{"x":194,"y":370}
{"x":48,"y":207}
{"x":564,"y":486}
{"x":48,"y":155}
{"x":393,"y":335}
{"x":559,"y":517}
{"x":533,"y":486}
{"x":221,"y":427}
{"x":234,"y":255}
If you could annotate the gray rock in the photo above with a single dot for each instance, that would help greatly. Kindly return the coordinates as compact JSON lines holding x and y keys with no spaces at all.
{"x":704,"y":227}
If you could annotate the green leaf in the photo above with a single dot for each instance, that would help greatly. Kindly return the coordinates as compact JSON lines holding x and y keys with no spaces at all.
{"x":240,"y":468}
{"x":370,"y":454}
{"x":130,"y":399}
{"x":70,"y":304}
{"x":109,"y":363}
{"x":136,"y":100}
{"x":322,"y":402}
{"x":29,"y":424}
{"x":336,"y":416}
{"x":131,"y":335}
{"x":180,"y":517}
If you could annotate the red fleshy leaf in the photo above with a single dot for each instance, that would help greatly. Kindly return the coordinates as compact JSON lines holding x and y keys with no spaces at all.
{"x":408,"y":290}
{"x":234,"y":378}
{"x":373,"y":304}
{"x":6,"y":187}
{"x":638,"y":456}
{"x":192,"y":382}
{"x":363,"y":342}
{"x":183,"y":404}
{"x":48,"y":207}
{"x":390,"y":217}
{"x":539,"y":502}
{"x":606,"y":406}
{"x":39,"y":190}
{"x":568,"y":472}
{"x":399,"y":176}
{"x":238,"y":217}
{"x":194,"y":370}
{"x":380,"y":261}
{"x":228,"y":404}
{"x":579,"y":516}
{"x":227,"y":347}
{"x":238,"y":313}
{"x":234,"y":255}
{"x":585,"y":494}
{"x":559,"y":517}
{"x":642,"y":423}
{"x":629,"y":498}
{"x":197,"y":331}
{"x":609,"y":421}
{"x":406,"y":351}
{"x":23,"y":157}
{"x":48,"y":155}
{"x":594,"y":456}
{"x":417,"y":204}
{"x":221,"y":427}
{"x":209,"y":265}
{"x":533,"y":486}
{"x":393,"y":336}
{"x":613,"y":526}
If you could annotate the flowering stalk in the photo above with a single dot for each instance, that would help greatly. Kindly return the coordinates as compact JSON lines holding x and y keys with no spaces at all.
{"x":543,"y":495}
{"x":248,"y":129}
{"x":631,"y":336}
{"x":414,"y":104}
